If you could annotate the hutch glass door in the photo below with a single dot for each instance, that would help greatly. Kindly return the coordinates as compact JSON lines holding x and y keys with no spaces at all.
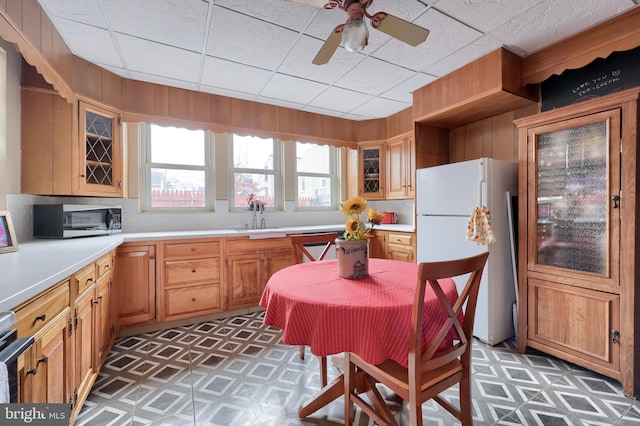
{"x":576,"y":199}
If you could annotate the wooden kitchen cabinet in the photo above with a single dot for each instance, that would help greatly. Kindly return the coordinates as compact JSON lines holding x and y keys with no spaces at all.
{"x":84,"y":325}
{"x":577,"y":270}
{"x":249,"y":264}
{"x":44,"y":370}
{"x":104,"y":319}
{"x":100,"y":156}
{"x":400,"y":167}
{"x":378,"y":244}
{"x":371,"y":170}
{"x":191,"y":282}
{"x":401,"y":246}
{"x":135,"y":283}
{"x":69,"y":148}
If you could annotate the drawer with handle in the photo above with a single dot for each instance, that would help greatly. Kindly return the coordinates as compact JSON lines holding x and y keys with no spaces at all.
{"x":103,"y":265}
{"x":84,"y":278}
{"x":181,"y":272}
{"x":33,"y":315}
{"x":192,"y":250}
{"x":400,"y":238}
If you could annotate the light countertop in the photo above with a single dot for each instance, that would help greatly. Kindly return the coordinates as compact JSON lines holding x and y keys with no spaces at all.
{"x":39,"y":264}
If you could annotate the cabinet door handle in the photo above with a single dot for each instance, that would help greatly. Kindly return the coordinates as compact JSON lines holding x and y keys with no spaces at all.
{"x":615,"y":336}
{"x":615,"y":201}
{"x":193,"y":270}
{"x":42,"y":317}
{"x":89,"y":281}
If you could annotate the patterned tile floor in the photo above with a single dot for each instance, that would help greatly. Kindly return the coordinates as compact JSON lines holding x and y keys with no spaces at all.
{"x":236,"y":371}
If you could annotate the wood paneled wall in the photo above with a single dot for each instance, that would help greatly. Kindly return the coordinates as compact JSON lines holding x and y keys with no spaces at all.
{"x":494,"y":137}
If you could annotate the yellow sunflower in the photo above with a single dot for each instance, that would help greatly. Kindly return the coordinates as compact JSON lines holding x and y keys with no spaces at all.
{"x":353,"y":228}
{"x":374,"y":217}
{"x":355,"y":205}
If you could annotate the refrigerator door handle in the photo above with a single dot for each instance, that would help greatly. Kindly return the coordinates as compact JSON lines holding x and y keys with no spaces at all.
{"x":482,"y":179}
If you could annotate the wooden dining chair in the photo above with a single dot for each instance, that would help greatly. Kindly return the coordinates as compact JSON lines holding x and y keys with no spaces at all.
{"x":301,"y":254}
{"x":433,"y":370}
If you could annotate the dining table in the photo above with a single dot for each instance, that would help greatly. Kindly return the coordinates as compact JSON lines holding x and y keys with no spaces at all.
{"x":368,"y":316}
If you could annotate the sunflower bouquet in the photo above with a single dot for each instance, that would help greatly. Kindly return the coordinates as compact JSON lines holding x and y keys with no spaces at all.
{"x":356,"y":228}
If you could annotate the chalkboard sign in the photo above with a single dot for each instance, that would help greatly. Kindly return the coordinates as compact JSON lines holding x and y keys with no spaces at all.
{"x":619,"y":71}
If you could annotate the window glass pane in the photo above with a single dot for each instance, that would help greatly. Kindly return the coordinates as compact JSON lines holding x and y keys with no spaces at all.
{"x":250,"y":152}
{"x":314,"y":191}
{"x":172,"y":145}
{"x":261,"y":185}
{"x":177,"y":188}
{"x":312,"y":158}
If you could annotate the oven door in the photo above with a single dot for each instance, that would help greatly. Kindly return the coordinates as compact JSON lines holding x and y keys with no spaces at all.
{"x":10,"y":349}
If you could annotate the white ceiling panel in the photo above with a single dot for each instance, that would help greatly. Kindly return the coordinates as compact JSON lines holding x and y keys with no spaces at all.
{"x":340,"y":100}
{"x":185,"y":19}
{"x":248,"y":40}
{"x":233,"y":76}
{"x":151,"y":58}
{"x":403,"y":92}
{"x":262,"y":50}
{"x":292,"y":89}
{"x":85,"y":39}
{"x":374,"y":77}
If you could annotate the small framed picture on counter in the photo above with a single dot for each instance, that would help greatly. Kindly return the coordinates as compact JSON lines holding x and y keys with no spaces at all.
{"x":8,"y":242}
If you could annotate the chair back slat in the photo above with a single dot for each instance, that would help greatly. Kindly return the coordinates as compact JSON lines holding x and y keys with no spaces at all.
{"x":300,"y":242}
{"x":459,"y":315}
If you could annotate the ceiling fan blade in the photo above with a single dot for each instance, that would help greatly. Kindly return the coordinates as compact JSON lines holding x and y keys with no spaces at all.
{"x":329,"y":47}
{"x":405,"y":31}
{"x":314,"y":3}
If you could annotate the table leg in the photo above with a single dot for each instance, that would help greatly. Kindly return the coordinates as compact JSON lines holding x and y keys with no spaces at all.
{"x":328,"y":394}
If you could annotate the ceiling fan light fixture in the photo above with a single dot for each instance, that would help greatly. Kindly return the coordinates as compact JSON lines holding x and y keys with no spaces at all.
{"x":355,"y":35}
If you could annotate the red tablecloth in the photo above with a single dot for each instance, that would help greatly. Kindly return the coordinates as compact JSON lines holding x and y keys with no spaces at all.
{"x":369,"y":317}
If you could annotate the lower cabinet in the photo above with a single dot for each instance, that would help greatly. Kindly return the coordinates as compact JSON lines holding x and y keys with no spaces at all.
{"x":135,"y":283}
{"x":249,"y":264}
{"x":393,"y":245}
{"x":589,"y":337}
{"x":400,"y":246}
{"x":191,"y":278}
{"x":84,"y":333}
{"x":44,"y":370}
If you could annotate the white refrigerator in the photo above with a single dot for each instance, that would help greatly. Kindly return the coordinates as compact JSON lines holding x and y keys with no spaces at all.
{"x":445,"y":198}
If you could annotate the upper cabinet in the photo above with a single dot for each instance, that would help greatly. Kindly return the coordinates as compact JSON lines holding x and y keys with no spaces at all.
{"x":99,"y":151}
{"x":401,"y":167}
{"x":371,"y":173}
{"x":69,"y":148}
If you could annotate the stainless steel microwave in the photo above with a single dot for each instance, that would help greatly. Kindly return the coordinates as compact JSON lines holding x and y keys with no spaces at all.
{"x":75,"y":220}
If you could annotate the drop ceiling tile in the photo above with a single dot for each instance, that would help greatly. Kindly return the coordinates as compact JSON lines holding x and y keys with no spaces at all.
{"x":331,"y":112}
{"x":287,"y":14}
{"x":461,"y":57}
{"x":85,"y":39}
{"x":403,"y":92}
{"x":340,"y":100}
{"x":158,"y":59}
{"x":379,"y":108}
{"x":486,"y":15}
{"x":233,"y":76}
{"x":555,"y":20}
{"x":278,"y":102}
{"x":171,"y":22}
{"x":241,"y":38}
{"x":163,"y":80}
{"x":299,"y":61}
{"x":292,"y":89}
{"x":228,"y":93}
{"x":373,"y":76}
{"x":87,"y":12}
{"x":446,"y":35}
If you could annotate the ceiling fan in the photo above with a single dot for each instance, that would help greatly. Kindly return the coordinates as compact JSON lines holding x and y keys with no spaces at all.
{"x":354,"y":34}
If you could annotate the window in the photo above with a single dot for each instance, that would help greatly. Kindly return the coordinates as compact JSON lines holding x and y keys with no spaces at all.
{"x":178,"y":169}
{"x":316,"y":175}
{"x":255,"y":167}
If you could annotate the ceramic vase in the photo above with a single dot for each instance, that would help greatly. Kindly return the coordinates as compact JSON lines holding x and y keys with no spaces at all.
{"x":353,"y":258}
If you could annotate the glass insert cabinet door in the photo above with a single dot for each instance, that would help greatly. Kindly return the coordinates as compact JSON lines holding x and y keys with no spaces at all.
{"x":574,"y":207}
